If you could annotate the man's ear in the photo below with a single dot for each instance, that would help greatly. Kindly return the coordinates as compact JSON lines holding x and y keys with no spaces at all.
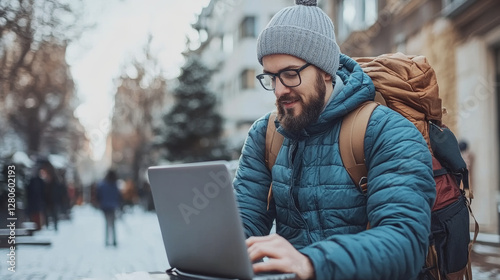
{"x":327,"y":77}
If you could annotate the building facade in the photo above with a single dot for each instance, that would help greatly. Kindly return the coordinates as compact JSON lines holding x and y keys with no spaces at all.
{"x":228,"y":30}
{"x":461,"y":40}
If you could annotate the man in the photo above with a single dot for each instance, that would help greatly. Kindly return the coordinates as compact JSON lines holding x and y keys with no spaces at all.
{"x":321,"y":216}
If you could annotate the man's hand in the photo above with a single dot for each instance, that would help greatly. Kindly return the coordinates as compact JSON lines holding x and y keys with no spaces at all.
{"x":283,"y":257}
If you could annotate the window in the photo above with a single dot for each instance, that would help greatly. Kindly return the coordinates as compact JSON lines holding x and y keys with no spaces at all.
{"x":247,"y":28}
{"x":356,"y":15}
{"x":247,"y":79}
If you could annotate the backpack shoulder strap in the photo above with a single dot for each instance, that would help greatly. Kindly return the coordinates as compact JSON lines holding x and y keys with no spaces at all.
{"x":274,"y":140}
{"x":351,"y":142}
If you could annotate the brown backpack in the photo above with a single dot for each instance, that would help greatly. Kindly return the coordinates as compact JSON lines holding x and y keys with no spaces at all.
{"x":408,"y":85}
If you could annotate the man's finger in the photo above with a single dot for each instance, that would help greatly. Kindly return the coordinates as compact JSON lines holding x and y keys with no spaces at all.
{"x":271,"y":265}
{"x":265,"y":249}
{"x":254,"y":239}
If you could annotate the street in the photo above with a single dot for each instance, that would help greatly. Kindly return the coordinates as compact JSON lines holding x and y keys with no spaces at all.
{"x":78,"y":251}
{"x":486,"y":261}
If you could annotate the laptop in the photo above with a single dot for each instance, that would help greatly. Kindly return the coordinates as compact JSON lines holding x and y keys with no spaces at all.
{"x":200,"y":222}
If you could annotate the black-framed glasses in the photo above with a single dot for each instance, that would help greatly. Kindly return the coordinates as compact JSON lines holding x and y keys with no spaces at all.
{"x":288,"y":77}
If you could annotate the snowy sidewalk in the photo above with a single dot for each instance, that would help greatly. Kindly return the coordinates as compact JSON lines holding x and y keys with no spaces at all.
{"x":78,"y":251}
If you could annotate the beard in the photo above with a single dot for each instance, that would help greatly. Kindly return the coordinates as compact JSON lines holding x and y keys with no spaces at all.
{"x":311,"y":109}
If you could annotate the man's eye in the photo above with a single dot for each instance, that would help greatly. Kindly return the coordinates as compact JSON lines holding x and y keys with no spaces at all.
{"x":289,"y":74}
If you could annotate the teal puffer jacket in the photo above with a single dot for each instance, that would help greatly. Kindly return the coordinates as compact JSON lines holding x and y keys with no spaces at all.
{"x":318,"y":208}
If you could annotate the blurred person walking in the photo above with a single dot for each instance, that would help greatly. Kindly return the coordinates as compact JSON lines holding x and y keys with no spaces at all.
{"x":468,"y":157}
{"x":34,"y":197}
{"x":52,"y":195}
{"x":109,"y":199}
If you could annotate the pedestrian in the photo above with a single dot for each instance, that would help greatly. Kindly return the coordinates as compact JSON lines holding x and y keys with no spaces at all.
{"x":51,"y":194}
{"x":64,"y":199}
{"x":109,"y":199}
{"x":468,"y":157}
{"x":35,"y":204}
{"x":321,"y":216}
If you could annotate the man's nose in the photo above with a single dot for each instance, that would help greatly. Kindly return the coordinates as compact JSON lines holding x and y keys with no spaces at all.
{"x":280,"y":89}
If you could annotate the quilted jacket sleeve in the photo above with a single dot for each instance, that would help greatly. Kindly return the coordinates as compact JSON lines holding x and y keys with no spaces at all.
{"x":252,"y":183}
{"x":401,"y":191}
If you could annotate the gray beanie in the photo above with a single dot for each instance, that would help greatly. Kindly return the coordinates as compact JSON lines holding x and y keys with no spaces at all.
{"x":304,"y":31}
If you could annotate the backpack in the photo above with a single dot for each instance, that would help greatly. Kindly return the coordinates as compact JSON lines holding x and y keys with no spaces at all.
{"x":408,"y":85}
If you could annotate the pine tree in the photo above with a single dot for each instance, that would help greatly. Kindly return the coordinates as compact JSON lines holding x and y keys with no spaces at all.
{"x":193,"y":126}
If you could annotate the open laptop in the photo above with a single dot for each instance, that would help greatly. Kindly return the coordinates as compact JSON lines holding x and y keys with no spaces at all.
{"x":200,"y":222}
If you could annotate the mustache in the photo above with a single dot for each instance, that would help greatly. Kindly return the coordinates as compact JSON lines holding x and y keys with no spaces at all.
{"x":285,"y":98}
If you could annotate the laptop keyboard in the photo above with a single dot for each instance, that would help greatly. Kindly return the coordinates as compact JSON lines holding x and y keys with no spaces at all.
{"x":261,"y":276}
{"x":274,"y":276}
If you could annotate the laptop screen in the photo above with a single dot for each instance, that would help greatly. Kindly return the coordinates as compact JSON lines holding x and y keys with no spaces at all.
{"x":199,"y":219}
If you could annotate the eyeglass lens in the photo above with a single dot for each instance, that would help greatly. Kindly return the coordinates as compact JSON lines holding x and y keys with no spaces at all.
{"x":289,"y":78}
